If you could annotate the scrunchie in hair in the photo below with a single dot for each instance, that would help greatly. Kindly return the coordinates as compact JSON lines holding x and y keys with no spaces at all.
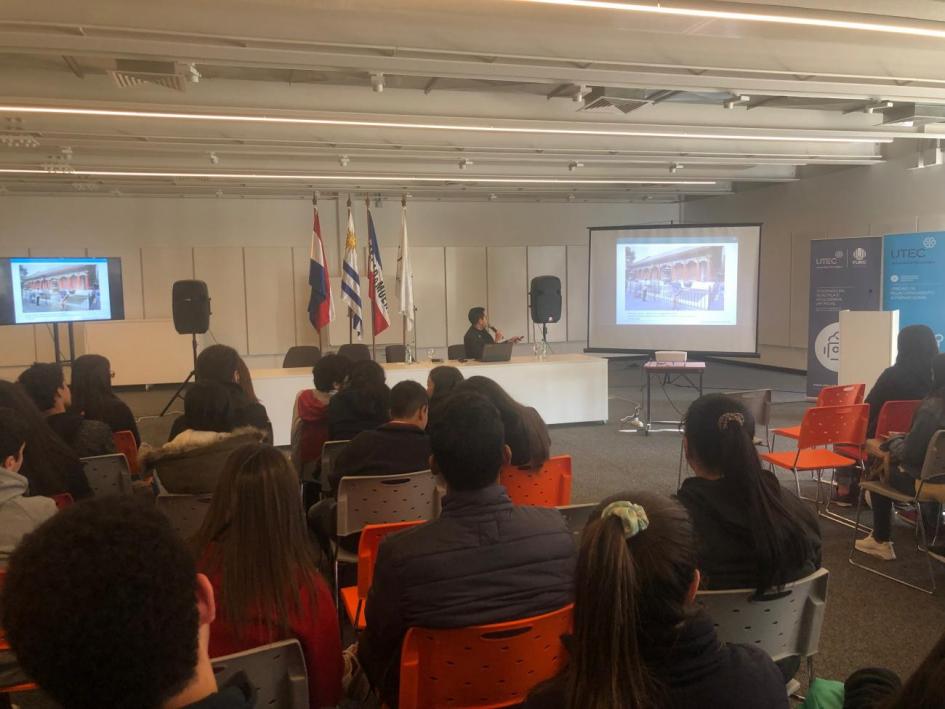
{"x":726,"y":419}
{"x":632,"y":517}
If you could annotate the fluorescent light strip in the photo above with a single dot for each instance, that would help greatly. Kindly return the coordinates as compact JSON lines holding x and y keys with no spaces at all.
{"x":355,"y":178}
{"x":750,"y":17}
{"x":115,"y":113}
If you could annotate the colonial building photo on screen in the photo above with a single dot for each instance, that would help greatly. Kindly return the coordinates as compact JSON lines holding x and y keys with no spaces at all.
{"x":677,"y":282}
{"x":55,"y":290}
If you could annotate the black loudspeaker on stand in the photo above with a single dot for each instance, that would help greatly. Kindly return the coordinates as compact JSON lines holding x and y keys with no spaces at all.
{"x":545,"y":297}
{"x":190,"y":306}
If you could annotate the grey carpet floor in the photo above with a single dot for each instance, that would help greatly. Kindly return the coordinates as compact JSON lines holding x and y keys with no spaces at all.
{"x":869,"y":621}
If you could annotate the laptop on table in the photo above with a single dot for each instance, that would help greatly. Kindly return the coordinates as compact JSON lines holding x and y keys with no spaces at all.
{"x":501,"y":352}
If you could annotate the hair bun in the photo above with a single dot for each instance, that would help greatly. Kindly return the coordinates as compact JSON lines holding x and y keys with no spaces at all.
{"x":726,"y":418}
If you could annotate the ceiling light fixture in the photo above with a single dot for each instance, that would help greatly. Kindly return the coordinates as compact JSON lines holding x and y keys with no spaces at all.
{"x":801,"y":20}
{"x":377,"y":82}
{"x":193,"y":76}
{"x":574,"y":165}
{"x":343,"y":160}
{"x":362,"y":178}
{"x":214,"y":159}
{"x":465,"y":162}
{"x":474,"y":128}
{"x":736,"y":101}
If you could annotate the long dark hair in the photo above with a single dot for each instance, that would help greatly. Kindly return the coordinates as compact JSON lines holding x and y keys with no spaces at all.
{"x":46,"y":457}
{"x":91,"y":385}
{"x":629,"y":595}
{"x":256,"y":538}
{"x":367,"y":385}
{"x":516,"y":418}
{"x":917,"y":346}
{"x":223,"y":364}
{"x":444,"y":379}
{"x":208,"y":406}
{"x":719,"y":434}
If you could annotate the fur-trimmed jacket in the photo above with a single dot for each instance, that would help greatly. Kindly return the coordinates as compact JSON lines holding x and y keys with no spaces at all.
{"x":191,"y":463}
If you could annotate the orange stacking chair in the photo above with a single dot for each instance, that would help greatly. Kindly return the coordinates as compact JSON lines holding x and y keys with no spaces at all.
{"x":483,"y":666}
{"x":354,"y":597}
{"x":894,"y":417}
{"x":549,"y":486}
{"x":841,"y":395}
{"x":5,"y":647}
{"x":63,"y":500}
{"x":823,"y":426}
{"x":125,"y":443}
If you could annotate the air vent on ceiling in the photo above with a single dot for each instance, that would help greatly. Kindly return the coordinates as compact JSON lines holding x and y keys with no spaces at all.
{"x":916,"y":114}
{"x":624,"y":100}
{"x":135,"y":72}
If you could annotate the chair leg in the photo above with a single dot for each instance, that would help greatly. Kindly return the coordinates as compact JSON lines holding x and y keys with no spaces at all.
{"x":920,"y":523}
{"x":928,"y":559}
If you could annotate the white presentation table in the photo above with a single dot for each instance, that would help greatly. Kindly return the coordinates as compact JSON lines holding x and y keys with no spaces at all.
{"x":565,"y":388}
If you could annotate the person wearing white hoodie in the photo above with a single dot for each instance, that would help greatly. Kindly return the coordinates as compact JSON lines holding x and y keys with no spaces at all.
{"x":19,"y":514}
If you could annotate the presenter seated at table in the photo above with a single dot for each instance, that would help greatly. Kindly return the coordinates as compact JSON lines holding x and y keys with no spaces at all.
{"x":478,"y":335}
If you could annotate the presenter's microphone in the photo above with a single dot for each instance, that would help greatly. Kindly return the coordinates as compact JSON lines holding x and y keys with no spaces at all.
{"x":492,"y":328}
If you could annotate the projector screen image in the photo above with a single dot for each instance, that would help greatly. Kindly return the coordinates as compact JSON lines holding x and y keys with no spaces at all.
{"x":47,"y":290}
{"x":674,"y":288}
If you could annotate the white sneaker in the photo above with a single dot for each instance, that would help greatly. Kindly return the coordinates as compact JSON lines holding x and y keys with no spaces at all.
{"x":881,"y":550}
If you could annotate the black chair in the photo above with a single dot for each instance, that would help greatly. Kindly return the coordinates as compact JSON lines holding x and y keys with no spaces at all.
{"x":395,"y":353}
{"x":301,"y":356}
{"x":456,"y":352}
{"x":355,"y":351}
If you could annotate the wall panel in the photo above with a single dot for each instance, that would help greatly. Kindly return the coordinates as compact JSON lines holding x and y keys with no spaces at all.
{"x":466,"y":287}
{"x":160,"y":267}
{"x":508,"y":290}
{"x":270,"y":299}
{"x":577,"y":293}
{"x":429,"y":294}
{"x":19,"y":341}
{"x":130,"y":256}
{"x":222,"y":268}
{"x":550,"y":261}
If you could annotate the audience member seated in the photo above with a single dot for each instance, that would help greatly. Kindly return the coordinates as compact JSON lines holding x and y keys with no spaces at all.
{"x":926,"y":686}
{"x":46,"y":385}
{"x":310,"y":413}
{"x":362,"y":405}
{"x":223,"y":365}
{"x":906,"y":455}
{"x":49,"y":464}
{"x":399,"y":446}
{"x":255,"y":549}
{"x":191,"y":462}
{"x":525,"y":431}
{"x":750,"y":532}
{"x":867,"y":688}
{"x":441,"y":381}
{"x":909,"y":378}
{"x":19,"y":514}
{"x":484,"y":560}
{"x":92,"y":395}
{"x":639,"y":640}
{"x":103,"y":607}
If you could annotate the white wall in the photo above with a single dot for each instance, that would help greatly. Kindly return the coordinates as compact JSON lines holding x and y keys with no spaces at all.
{"x":862,"y":201}
{"x":254,"y":256}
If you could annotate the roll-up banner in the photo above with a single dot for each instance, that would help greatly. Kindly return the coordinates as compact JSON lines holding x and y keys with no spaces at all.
{"x":914,"y":279}
{"x":845,"y":274}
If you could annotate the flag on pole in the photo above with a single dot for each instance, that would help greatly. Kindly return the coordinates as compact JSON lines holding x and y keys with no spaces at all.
{"x":405,"y":273}
{"x":321,"y":307}
{"x":350,"y":278}
{"x":377,"y":290}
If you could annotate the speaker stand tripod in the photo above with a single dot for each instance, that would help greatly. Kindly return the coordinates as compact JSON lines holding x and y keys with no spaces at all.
{"x":183,"y":385}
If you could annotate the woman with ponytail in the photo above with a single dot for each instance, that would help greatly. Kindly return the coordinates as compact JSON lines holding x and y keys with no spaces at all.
{"x":751,"y":532}
{"x":639,"y":639}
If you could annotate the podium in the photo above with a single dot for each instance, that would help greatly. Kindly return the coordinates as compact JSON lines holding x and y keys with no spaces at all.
{"x":867,"y":345}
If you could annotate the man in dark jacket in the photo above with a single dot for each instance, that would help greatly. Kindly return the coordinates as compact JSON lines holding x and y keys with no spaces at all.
{"x":483,"y":561}
{"x":399,"y":446}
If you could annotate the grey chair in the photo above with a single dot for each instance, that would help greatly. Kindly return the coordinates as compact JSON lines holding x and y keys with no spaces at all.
{"x":395,"y":353}
{"x":932,"y":467}
{"x":108,"y":474}
{"x":330,"y":452}
{"x":576,"y":517}
{"x":276,"y":671}
{"x":355,"y":351}
{"x":301,"y":356}
{"x":456,"y":352}
{"x":784,"y":622}
{"x":186,"y":513}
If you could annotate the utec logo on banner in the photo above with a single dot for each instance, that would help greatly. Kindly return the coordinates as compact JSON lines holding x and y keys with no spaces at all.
{"x":914,"y":274}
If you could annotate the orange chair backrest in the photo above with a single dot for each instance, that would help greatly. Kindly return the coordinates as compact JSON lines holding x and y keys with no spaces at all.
{"x":825,"y":425}
{"x":841,"y":395}
{"x":371,"y":537}
{"x":484,"y":666}
{"x":125,"y":443}
{"x":63,"y":500}
{"x":549,"y":486}
{"x":896,"y":416}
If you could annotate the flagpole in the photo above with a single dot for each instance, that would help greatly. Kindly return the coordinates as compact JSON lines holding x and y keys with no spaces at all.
{"x":370,"y":251}
{"x":403,"y":206}
{"x":315,"y":208}
{"x":350,"y":315}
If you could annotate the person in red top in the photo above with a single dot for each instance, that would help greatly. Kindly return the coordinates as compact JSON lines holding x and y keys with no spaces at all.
{"x":310,"y":413}
{"x":255,"y":548}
